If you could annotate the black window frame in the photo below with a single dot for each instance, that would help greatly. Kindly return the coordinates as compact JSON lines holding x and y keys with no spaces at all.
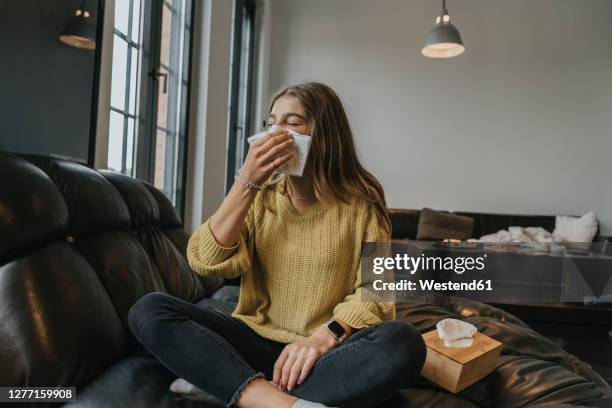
{"x":240,"y":6}
{"x":125,"y":112}
{"x":148,"y":126}
{"x":95,"y":91}
{"x":145,"y":120}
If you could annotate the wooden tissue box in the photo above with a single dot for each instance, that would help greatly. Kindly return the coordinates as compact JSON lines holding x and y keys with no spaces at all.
{"x":457,"y":368}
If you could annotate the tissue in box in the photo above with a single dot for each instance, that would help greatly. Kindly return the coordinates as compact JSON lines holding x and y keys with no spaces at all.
{"x":457,"y":368}
{"x":456,"y":333}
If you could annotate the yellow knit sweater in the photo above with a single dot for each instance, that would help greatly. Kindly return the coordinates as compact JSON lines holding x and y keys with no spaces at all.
{"x":298,"y":269}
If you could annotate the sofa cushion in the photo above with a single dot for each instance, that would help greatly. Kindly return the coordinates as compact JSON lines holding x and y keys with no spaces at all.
{"x":436,"y":225}
{"x":58,"y":325}
{"x":44,"y":218}
{"x":576,"y":229}
{"x":93,"y":203}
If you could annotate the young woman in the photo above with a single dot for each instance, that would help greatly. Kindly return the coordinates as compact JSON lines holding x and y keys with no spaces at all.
{"x":300,"y":335}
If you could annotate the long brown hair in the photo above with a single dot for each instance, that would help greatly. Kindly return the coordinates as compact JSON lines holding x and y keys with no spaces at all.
{"x":336,"y":170}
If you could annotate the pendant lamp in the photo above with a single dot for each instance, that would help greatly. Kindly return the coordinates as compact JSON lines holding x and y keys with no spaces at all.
{"x":443,"y":40}
{"x":80,"y":32}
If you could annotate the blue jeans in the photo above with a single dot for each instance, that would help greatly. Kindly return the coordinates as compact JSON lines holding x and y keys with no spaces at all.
{"x":221,"y":355}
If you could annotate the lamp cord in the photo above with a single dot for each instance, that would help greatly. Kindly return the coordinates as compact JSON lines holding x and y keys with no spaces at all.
{"x":444,"y":10}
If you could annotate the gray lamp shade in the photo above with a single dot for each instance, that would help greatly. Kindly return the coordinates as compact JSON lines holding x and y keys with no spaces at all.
{"x":443,"y":41}
{"x":79,"y":33}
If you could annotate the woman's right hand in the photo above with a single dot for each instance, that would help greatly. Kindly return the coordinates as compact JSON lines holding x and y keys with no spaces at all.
{"x":267,"y":154}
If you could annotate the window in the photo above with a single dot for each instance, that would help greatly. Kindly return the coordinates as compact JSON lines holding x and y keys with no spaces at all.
{"x":150,"y":93}
{"x":124,"y":90}
{"x":172,"y":99}
{"x":241,"y":85}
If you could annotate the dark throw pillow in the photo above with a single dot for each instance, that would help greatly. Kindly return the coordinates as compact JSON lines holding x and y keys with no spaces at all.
{"x":436,"y":225}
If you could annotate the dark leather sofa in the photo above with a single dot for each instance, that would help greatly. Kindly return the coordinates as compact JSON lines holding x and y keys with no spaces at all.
{"x":78,"y":247}
{"x":406,"y":222}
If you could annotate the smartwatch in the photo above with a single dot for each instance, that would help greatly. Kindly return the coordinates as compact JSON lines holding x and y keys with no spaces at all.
{"x":335,"y":329}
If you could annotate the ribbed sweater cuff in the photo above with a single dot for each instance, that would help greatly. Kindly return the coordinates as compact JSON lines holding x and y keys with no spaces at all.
{"x":208,"y":245}
{"x":355,"y":317}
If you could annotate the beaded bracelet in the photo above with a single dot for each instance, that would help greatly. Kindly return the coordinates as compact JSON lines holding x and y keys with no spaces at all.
{"x":248,"y":183}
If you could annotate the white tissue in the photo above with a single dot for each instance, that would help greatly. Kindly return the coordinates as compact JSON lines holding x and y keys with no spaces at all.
{"x":456,"y":333}
{"x":295,"y":166}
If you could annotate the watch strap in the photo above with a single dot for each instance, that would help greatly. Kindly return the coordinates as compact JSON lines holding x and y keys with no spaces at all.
{"x":336,"y":330}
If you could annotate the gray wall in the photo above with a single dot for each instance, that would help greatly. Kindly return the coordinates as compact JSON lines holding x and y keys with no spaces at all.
{"x":46,"y":85}
{"x":521,"y":123}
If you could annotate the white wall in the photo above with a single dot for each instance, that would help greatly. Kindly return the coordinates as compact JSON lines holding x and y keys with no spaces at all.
{"x":521,"y":123}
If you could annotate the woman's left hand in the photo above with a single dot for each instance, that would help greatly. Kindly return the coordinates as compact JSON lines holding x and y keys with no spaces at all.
{"x":297,"y":359}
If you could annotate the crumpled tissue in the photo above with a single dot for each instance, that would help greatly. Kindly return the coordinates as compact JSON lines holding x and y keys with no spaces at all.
{"x":456,"y":333}
{"x":295,"y":166}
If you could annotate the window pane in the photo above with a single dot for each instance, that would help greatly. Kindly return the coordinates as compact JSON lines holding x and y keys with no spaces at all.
{"x":129,"y":147}
{"x":136,"y":21}
{"x":134,"y":80}
{"x":171,"y":106}
{"x":115,"y":141}
{"x":119,"y":73}
{"x":160,"y":159}
{"x":243,"y":80}
{"x":166,"y":36}
{"x":122,"y":15}
{"x":162,"y":102}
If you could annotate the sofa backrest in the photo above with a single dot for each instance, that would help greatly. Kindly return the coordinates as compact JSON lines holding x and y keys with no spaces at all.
{"x":77,"y":248}
{"x":405,"y":222}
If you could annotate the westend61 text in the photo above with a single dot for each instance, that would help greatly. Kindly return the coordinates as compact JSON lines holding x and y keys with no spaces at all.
{"x":430,"y":285}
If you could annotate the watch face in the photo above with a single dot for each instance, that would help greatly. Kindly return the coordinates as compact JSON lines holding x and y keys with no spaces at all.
{"x":336,"y":328}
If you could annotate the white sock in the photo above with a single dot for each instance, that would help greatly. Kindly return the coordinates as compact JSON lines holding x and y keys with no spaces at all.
{"x":307,"y":404}
{"x":181,"y":386}
{"x":187,"y":390}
